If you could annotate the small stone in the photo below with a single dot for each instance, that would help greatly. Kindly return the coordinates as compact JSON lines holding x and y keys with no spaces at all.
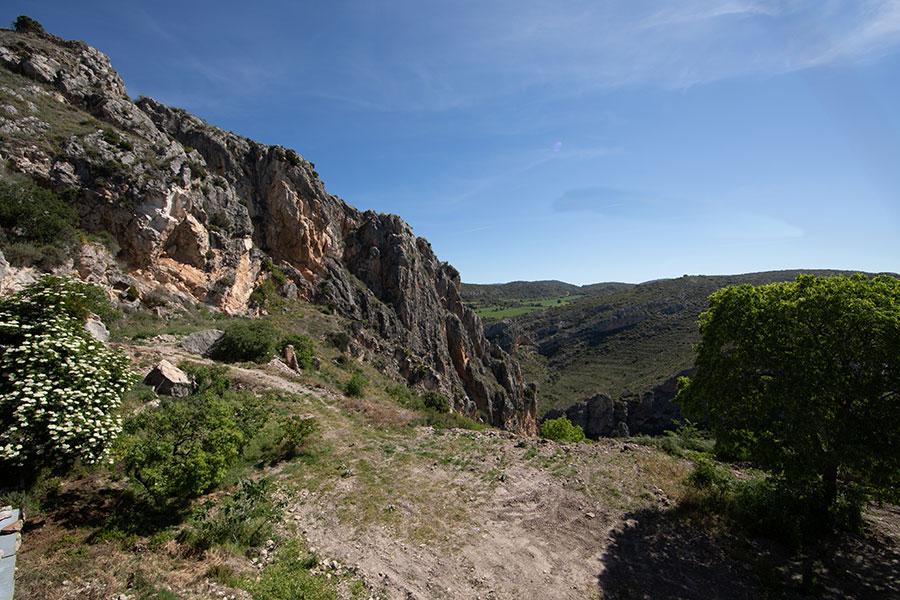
{"x":589,"y":515}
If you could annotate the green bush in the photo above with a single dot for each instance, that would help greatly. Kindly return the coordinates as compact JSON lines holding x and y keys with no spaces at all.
{"x":711,"y":477}
{"x":450,"y":420}
{"x":36,"y":226}
{"x":561,"y":430}
{"x":340,"y":340}
{"x":304,"y":349}
{"x":208,"y":378}
{"x":245,"y":519}
{"x":253,"y":341}
{"x":113,"y":138}
{"x":280,"y":438}
{"x":60,"y":389}
{"x":265,"y":295}
{"x":685,"y":441}
{"x":404,"y":396}
{"x":356,"y":386}
{"x":435,"y":406}
{"x":25,"y":24}
{"x":436,"y":401}
{"x":183,"y":449}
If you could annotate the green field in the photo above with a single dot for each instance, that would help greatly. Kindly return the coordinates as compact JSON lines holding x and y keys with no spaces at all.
{"x":507,"y":309}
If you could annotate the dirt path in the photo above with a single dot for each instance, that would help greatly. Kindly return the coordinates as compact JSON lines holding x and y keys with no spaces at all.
{"x":528,"y":536}
{"x":419,"y":513}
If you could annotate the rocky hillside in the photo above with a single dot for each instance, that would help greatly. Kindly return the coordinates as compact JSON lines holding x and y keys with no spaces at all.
{"x":201,"y":215}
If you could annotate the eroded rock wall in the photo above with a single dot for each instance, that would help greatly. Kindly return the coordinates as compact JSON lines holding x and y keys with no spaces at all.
{"x":198,"y":211}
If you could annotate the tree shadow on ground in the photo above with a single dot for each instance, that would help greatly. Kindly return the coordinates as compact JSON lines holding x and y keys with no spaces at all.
{"x":676,"y":554}
{"x":110,"y":508}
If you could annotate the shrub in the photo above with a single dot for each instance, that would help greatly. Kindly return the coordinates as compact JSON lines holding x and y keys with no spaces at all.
{"x":685,"y":441}
{"x":184,"y":448}
{"x":404,"y":396}
{"x":60,"y":389}
{"x":244,"y":519}
{"x":436,"y":401}
{"x":247,"y":341}
{"x":36,"y":226}
{"x":208,"y":378}
{"x":265,"y":295}
{"x":450,"y":420}
{"x":25,"y":24}
{"x":280,"y":438}
{"x":711,"y":477}
{"x":340,"y":340}
{"x":561,"y":430}
{"x":112,"y":137}
{"x":304,"y":349}
{"x":356,"y":386}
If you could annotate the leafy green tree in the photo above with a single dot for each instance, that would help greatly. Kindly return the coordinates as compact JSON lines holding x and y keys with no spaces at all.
{"x":183,"y":449}
{"x":804,"y":378}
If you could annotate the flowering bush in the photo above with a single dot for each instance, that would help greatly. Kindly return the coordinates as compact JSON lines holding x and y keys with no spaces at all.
{"x":60,"y":389}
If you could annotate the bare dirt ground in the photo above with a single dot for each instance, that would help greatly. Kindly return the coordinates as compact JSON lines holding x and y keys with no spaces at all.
{"x":420,"y":513}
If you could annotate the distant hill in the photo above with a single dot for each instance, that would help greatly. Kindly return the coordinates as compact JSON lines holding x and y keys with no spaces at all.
{"x":608,"y":337}
{"x":495,"y":301}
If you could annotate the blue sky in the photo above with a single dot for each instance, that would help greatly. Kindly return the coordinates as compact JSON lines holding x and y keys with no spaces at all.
{"x":583,"y":141}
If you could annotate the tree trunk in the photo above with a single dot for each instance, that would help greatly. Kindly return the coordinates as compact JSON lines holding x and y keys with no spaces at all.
{"x":829,"y":485}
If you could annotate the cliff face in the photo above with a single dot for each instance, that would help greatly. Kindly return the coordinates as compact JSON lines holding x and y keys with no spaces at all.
{"x":198,"y":212}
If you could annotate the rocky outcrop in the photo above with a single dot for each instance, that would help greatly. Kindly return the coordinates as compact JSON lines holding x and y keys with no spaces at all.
{"x":94,"y":326}
{"x":507,"y":334}
{"x":168,"y":380}
{"x":650,"y":413}
{"x":199,"y":214}
{"x":202,"y":342}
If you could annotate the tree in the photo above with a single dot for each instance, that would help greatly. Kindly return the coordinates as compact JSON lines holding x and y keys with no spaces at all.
{"x":805,"y":378}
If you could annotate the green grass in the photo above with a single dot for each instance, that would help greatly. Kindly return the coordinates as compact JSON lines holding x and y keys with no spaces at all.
{"x":506,"y":309}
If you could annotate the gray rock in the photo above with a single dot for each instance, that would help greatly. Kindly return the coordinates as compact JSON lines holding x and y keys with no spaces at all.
{"x":651,"y":412}
{"x":94,"y":326}
{"x":168,"y":380}
{"x":4,"y":269}
{"x":202,"y":342}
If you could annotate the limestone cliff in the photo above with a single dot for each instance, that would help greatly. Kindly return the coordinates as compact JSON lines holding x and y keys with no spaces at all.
{"x":199,"y":212}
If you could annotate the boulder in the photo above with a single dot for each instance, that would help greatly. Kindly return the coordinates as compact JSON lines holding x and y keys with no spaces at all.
{"x":290,"y":357}
{"x":599,"y":416}
{"x":202,"y":342}
{"x":168,"y":380}
{"x":94,"y":326}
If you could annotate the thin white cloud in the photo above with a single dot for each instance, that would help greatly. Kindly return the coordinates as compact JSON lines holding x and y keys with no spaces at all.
{"x":481,"y":52}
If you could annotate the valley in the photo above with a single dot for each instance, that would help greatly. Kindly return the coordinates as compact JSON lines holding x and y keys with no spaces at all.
{"x":219,"y":380}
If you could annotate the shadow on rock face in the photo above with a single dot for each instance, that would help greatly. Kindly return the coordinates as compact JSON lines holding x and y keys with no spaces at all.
{"x":663,"y":555}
